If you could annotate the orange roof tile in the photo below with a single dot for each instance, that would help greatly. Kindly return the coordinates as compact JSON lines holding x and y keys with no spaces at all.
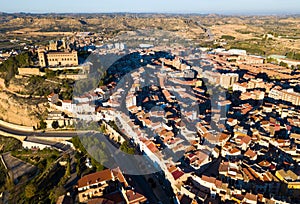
{"x":97,"y":177}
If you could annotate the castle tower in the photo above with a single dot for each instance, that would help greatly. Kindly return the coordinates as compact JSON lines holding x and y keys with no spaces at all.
{"x":53,"y":45}
{"x":64,"y":44}
{"x":42,"y":60}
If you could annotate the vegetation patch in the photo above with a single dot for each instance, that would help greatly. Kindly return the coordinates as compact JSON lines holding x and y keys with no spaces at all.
{"x":227,"y":37}
{"x":9,"y":144}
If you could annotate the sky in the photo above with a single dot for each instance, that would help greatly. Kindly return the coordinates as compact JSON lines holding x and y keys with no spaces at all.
{"x":156,"y":6}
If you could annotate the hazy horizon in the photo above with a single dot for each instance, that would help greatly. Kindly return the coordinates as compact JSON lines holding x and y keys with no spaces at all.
{"x":165,"y":13}
{"x":227,"y":7}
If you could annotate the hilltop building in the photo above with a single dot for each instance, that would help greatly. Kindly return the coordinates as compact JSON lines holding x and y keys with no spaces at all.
{"x":55,"y":55}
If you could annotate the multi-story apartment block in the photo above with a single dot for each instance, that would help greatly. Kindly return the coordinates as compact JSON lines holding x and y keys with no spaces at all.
{"x":286,"y":95}
{"x":227,"y":80}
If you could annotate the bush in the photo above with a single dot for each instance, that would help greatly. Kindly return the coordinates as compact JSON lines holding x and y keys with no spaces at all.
{"x":227,"y":37}
{"x":9,"y":144}
{"x":30,"y":191}
{"x":293,"y":55}
{"x":283,"y":64}
{"x":43,"y":125}
{"x":2,"y":175}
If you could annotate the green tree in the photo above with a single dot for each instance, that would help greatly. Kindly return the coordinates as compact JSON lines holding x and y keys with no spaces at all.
{"x":43,"y":124}
{"x":10,"y":66}
{"x":283,"y":64}
{"x":55,"y":124}
{"x":290,"y":55}
{"x":227,"y":37}
{"x":125,"y":148}
{"x":78,"y":145}
{"x":56,"y":192}
{"x":102,"y":128}
{"x":30,"y":191}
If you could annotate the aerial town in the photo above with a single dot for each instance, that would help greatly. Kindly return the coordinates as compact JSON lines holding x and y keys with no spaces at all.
{"x":90,"y":118}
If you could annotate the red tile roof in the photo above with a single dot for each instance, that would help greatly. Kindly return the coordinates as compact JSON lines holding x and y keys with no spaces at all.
{"x":100,"y":201}
{"x":134,"y":197}
{"x":118,"y":174}
{"x":250,"y":196}
{"x":249,"y":153}
{"x":208,"y":179}
{"x":177,"y":174}
{"x":105,"y":175}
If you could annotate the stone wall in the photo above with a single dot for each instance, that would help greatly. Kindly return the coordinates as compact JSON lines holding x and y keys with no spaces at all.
{"x":29,"y":71}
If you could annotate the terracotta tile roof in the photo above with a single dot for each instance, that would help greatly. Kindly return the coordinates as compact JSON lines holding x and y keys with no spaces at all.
{"x":172,"y":169}
{"x":246,"y":139}
{"x":253,"y":172}
{"x":264,"y":163}
{"x":250,"y":196}
{"x":260,"y":197}
{"x":51,"y":95}
{"x":134,"y":197}
{"x":208,"y":179}
{"x":116,"y":197}
{"x":100,"y":201}
{"x":105,"y":175}
{"x":218,"y":183}
{"x":151,"y":146}
{"x":230,"y":119}
{"x":224,"y":167}
{"x":249,"y":153}
{"x":238,"y":197}
{"x":118,"y":174}
{"x":267,"y":177}
{"x":223,"y":136}
{"x":234,"y":150}
{"x":67,"y":101}
{"x":248,"y":174}
{"x":177,"y":174}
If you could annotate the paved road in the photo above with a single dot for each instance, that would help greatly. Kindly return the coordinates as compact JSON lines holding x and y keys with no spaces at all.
{"x":36,"y":133}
